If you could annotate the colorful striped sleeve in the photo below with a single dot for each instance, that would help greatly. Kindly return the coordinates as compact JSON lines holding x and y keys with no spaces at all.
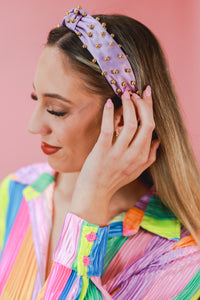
{"x":78,"y":262}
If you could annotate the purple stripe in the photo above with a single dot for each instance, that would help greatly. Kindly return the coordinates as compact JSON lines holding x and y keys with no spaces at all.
{"x":30,"y":173}
{"x":140,"y":266}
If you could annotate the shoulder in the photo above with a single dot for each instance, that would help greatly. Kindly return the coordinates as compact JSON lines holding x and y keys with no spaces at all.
{"x":28,"y":174}
{"x":12,"y":190}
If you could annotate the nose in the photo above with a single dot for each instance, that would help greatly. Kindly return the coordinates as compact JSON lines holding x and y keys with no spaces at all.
{"x":38,"y":123}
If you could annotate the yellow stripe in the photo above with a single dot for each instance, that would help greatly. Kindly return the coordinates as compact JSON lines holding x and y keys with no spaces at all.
{"x":21,"y":281}
{"x":196,"y":296}
{"x":4,"y":195}
{"x":84,"y":287}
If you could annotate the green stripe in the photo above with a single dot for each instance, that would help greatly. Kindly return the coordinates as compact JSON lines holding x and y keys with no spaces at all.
{"x":191,"y":288}
{"x":157,"y":210}
{"x":93,"y":292}
{"x":167,"y":228}
{"x":42,"y":182}
{"x":113,"y":246}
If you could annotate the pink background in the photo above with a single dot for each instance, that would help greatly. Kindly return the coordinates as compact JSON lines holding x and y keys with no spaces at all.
{"x":24,"y":28}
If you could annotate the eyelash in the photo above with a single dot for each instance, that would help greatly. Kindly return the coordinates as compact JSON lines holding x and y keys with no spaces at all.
{"x":52,"y":112}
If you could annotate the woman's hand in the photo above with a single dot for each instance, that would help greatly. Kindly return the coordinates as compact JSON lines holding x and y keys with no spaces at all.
{"x":110,"y":166}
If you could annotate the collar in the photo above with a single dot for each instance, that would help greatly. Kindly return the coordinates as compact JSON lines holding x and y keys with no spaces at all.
{"x":148,"y":213}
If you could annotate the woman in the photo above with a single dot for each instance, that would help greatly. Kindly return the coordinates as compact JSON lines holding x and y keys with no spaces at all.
{"x":96,"y":206}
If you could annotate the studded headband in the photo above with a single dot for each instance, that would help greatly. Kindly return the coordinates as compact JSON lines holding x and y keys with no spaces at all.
{"x":104,"y":49}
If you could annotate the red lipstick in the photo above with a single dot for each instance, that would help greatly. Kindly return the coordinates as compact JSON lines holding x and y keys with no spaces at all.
{"x":48,"y":149}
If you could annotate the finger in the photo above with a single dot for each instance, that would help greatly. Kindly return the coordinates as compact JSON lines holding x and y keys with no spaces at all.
{"x":142,"y":139}
{"x":107,"y":125}
{"x":153,"y":153}
{"x":130,"y":123}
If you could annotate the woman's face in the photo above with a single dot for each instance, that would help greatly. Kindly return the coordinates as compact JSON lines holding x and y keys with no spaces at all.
{"x":76,"y":127}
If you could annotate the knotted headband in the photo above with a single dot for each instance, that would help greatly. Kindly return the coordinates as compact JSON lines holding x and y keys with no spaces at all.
{"x":104,"y":49}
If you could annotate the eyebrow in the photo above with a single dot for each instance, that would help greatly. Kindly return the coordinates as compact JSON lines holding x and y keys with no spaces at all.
{"x":56,"y":96}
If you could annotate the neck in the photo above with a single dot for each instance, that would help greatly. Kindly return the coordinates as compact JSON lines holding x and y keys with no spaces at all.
{"x":121,"y":201}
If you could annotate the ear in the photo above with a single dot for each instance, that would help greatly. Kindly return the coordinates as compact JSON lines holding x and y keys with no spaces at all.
{"x":118,"y":120}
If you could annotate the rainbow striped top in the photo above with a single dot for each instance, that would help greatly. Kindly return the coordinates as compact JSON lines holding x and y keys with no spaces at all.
{"x":144,"y":253}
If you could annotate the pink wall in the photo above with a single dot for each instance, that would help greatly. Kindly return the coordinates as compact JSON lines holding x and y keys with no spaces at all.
{"x":23,"y":31}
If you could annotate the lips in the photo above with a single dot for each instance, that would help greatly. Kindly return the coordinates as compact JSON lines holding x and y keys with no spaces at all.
{"x":49,"y":149}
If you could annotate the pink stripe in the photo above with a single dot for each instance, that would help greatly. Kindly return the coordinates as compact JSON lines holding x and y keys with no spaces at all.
{"x":14,"y":243}
{"x":175,"y":277}
{"x":132,"y":250}
{"x":97,"y":281}
{"x":69,"y":240}
{"x":57,"y":281}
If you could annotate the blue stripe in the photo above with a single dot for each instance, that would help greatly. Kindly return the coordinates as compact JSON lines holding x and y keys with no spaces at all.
{"x":15,"y":199}
{"x":116,"y":229}
{"x":68,"y":285}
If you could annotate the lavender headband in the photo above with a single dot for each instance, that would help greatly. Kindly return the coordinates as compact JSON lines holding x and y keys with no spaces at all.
{"x":105,"y":50}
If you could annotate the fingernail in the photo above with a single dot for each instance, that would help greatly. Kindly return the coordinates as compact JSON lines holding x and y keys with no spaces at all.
{"x":126,"y":94}
{"x":136,"y":96}
{"x":109,"y":103}
{"x":148,"y":91}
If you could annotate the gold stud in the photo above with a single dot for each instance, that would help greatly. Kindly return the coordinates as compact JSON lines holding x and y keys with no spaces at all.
{"x":94,"y":60}
{"x":103,"y":33}
{"x":84,"y":46}
{"x":118,"y":90}
{"x":76,"y":11}
{"x":73,"y":20}
{"x":89,"y":34}
{"x":103,"y":24}
{"x":84,"y":14}
{"x":68,"y":20}
{"x":107,"y":58}
{"x":126,"y":55}
{"x":91,"y":26}
{"x":79,"y":33}
{"x":112,"y":35}
{"x":138,"y":92}
{"x":97,"y":18}
{"x":115,"y":71}
{"x":128,"y":70}
{"x":124,"y":83}
{"x":79,"y":7}
{"x":133,"y":82}
{"x":98,"y":46}
{"x":103,"y":73}
{"x":113,"y":81}
{"x":121,"y":56}
{"x":120,"y":45}
{"x":67,"y":13}
{"x":111,"y":44}
{"x":58,"y":25}
{"x":130,"y":92}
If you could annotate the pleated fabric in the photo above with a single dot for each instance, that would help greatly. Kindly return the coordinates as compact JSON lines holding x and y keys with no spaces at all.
{"x":144,"y":253}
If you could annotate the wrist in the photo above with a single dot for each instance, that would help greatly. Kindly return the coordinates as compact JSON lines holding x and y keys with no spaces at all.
{"x":90,"y":205}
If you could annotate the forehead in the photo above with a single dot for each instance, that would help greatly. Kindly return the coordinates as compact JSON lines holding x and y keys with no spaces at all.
{"x":54,"y":74}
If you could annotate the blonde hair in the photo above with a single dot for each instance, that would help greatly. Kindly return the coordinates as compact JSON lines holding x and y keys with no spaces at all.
{"x":175,"y":173}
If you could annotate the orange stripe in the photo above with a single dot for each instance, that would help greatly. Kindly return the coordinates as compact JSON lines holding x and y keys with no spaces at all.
{"x":21,"y":281}
{"x":133,"y":218}
{"x":115,"y":291}
{"x":185,"y":242}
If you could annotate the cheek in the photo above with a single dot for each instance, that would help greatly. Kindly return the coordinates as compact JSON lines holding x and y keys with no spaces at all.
{"x":80,"y":132}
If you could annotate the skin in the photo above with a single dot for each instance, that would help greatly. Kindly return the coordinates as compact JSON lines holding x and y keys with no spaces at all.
{"x":89,"y":183}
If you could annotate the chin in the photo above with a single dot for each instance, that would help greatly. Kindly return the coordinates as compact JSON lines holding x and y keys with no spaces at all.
{"x":60,"y":167}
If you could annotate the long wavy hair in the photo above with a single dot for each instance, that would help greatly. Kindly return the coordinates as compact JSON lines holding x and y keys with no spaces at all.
{"x":175,"y":173}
